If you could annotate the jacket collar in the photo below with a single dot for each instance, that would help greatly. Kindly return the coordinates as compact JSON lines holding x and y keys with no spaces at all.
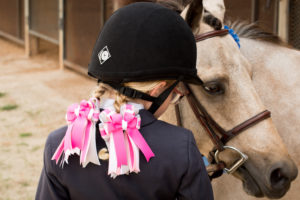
{"x":146,"y":117}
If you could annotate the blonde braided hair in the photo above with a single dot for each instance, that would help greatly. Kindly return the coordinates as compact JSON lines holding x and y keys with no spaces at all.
{"x":104,"y":90}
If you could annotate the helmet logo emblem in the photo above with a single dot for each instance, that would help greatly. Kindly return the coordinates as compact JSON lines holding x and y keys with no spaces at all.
{"x":104,"y":55}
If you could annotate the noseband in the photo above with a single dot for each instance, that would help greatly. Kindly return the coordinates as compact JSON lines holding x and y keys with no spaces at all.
{"x":212,"y":127}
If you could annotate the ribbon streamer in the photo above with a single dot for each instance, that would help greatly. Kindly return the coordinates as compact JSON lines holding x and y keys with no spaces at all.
{"x":80,"y":135}
{"x":123,"y":147}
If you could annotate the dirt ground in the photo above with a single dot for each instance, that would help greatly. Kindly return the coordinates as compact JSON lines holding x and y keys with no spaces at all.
{"x":34,"y":95}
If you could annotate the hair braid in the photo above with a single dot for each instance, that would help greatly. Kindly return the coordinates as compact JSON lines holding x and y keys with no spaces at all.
{"x":119,"y":101}
{"x":104,"y":90}
{"x":99,"y":91}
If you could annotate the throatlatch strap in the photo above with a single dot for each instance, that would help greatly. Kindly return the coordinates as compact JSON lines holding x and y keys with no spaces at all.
{"x":135,"y":94}
{"x":132,"y":93}
{"x":162,"y":97}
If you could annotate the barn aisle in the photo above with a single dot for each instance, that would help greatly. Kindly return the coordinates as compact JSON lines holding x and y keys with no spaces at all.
{"x":34,"y":96}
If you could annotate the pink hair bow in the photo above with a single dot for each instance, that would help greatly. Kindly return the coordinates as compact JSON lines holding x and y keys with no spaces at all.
{"x":123,"y":148}
{"x":111,"y":131}
{"x":135,"y":139}
{"x":114,"y":127}
{"x":80,"y":135}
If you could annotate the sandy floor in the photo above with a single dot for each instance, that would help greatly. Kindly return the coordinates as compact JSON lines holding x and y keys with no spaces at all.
{"x":41,"y":93}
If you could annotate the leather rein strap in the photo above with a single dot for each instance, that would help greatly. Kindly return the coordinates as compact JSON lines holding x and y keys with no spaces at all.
{"x":209,"y":124}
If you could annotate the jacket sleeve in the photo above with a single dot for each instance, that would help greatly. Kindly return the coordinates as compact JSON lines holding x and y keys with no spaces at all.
{"x":49,"y":187}
{"x":195,"y":184}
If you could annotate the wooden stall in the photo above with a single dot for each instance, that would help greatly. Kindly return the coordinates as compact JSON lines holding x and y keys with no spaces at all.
{"x":12,"y":20}
{"x":83,"y":20}
{"x":43,"y":19}
{"x":42,"y":23}
{"x":73,"y":26}
{"x":281,"y":17}
{"x":264,"y":12}
{"x":294,"y":23}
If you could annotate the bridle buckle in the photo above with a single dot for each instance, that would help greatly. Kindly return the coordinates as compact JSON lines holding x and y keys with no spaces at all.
{"x":237,"y":164}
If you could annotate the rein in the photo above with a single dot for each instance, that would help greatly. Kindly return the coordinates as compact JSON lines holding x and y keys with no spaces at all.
{"x":212,"y":127}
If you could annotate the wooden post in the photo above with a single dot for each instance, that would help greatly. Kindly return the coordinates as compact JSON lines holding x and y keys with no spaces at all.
{"x":31,"y":42}
{"x":283,"y":22}
{"x":103,"y":12}
{"x":116,"y":5}
{"x":61,"y":34}
{"x":26,"y":28}
{"x":33,"y":45}
{"x":255,"y":10}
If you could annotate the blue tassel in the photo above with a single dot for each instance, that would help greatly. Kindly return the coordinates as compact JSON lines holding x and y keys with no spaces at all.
{"x":234,"y":35}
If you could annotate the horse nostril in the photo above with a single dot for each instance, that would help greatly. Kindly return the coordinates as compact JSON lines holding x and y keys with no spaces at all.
{"x":278,"y":179}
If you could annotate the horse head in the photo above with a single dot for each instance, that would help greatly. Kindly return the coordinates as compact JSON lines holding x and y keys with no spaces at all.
{"x":229,"y":97}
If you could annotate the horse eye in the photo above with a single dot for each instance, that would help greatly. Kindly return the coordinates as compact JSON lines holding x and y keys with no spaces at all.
{"x":213,"y":88}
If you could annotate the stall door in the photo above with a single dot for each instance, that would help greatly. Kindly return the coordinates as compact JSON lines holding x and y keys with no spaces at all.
{"x":12,"y":19}
{"x":44,"y":19}
{"x":264,"y":12}
{"x":83,"y":22}
{"x":294,"y":23}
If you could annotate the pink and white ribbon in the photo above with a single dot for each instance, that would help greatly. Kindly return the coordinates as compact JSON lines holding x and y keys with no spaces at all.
{"x":123,"y":139}
{"x":80,"y":135}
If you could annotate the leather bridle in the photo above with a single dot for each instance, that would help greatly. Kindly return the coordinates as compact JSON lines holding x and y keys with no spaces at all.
{"x":204,"y":36}
{"x":217,"y":134}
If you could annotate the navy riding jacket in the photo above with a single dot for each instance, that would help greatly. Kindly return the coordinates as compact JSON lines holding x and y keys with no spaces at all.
{"x":176,"y":172}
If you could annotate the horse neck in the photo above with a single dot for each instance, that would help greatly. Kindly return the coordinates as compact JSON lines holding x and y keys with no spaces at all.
{"x":278,"y":65}
{"x":189,"y":120}
{"x":276,"y":75}
{"x":270,"y":54}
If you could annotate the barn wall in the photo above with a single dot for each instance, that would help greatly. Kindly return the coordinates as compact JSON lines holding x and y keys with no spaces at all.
{"x":44,"y":19}
{"x":12,"y":19}
{"x":294,"y":23}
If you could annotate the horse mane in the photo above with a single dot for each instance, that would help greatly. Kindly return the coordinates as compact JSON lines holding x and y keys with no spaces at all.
{"x":245,"y":29}
{"x":252,"y":31}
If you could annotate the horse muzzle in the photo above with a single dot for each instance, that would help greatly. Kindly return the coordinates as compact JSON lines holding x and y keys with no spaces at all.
{"x":274,"y":183}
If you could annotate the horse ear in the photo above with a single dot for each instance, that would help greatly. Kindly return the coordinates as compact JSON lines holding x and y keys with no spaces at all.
{"x":193,"y":14}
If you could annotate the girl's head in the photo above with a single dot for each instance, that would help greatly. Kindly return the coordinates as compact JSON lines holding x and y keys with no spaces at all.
{"x":140,"y":47}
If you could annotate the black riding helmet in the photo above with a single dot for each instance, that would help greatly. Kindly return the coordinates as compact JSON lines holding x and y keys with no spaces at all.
{"x":143,"y":42}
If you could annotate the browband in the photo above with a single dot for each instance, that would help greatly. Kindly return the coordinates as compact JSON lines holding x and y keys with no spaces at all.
{"x":210,"y":34}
